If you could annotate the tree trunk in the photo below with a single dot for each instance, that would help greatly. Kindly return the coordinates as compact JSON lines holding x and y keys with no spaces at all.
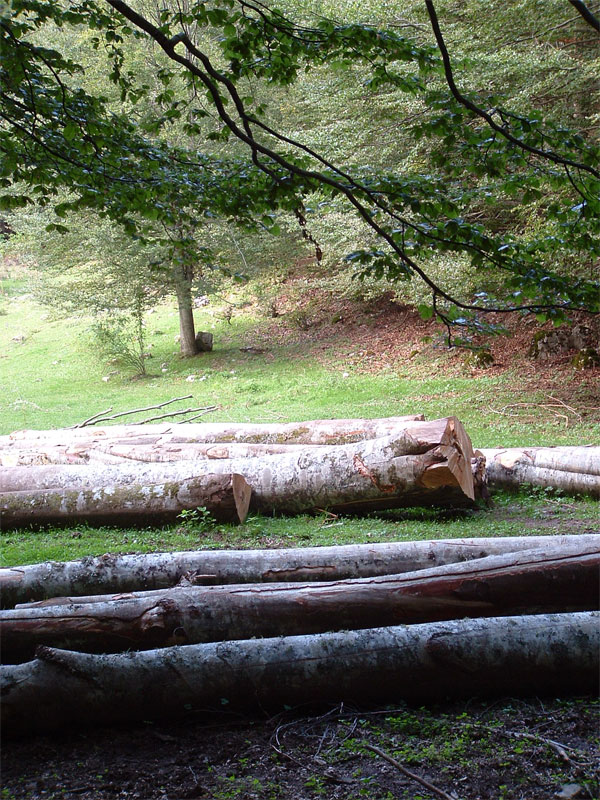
{"x":187,"y":334}
{"x":226,"y":496}
{"x":72,"y":445}
{"x":533,"y":581}
{"x":538,"y":654}
{"x":426,"y":464}
{"x":116,"y":574}
{"x":570,"y":469}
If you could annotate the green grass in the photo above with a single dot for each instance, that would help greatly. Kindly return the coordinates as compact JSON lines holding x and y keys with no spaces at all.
{"x":51,"y":378}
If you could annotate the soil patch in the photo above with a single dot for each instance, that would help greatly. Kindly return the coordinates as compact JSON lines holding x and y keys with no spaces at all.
{"x":504,"y":749}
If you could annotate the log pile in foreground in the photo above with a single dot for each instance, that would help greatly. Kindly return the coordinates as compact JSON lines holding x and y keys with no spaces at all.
{"x":324,"y":640}
{"x":419,"y":463}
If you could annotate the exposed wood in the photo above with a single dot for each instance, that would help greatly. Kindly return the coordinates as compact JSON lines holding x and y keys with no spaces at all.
{"x":112,"y":573}
{"x":226,"y":496}
{"x":533,"y":581}
{"x":538,"y":654}
{"x":426,"y":463}
{"x":570,"y":469}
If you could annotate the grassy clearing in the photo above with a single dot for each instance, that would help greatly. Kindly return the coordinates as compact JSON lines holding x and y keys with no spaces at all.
{"x":51,"y":378}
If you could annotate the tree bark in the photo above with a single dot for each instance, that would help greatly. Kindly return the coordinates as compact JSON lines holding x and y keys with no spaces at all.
{"x":226,"y":496}
{"x":538,"y":654}
{"x":116,"y":574}
{"x":73,"y":444}
{"x":187,"y":334}
{"x":533,"y":581}
{"x":570,"y":469}
{"x":424,"y":464}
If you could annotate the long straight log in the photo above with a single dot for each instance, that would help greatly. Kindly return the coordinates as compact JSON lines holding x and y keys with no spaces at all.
{"x":115,"y":574}
{"x":225,"y":496}
{"x":71,"y":445}
{"x":533,"y":581}
{"x":570,"y":469}
{"x":424,"y":464}
{"x":537,"y":654}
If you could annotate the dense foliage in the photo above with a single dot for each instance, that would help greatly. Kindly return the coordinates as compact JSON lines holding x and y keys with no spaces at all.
{"x":514,"y":189}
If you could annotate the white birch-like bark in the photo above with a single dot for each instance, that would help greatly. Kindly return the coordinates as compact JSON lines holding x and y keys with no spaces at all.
{"x":538,"y":654}
{"x":116,"y":574}
{"x":548,"y":580}
{"x":570,"y":469}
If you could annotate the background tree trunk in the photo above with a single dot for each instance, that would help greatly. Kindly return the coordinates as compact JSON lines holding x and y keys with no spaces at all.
{"x":533,"y":581}
{"x":187,"y":333}
{"x":126,"y":573}
{"x":507,"y":655}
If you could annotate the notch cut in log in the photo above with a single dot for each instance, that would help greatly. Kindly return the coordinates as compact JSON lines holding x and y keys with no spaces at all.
{"x":533,"y":581}
{"x":570,"y":469}
{"x":537,"y":654}
{"x":112,"y":573}
{"x":226,"y":496}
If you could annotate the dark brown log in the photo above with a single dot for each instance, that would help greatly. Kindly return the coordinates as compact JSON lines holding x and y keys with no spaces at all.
{"x":225,"y":496}
{"x":536,"y":654}
{"x":112,"y":573}
{"x":533,"y":581}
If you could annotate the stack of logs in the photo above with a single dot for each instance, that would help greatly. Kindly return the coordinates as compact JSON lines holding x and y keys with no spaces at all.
{"x":123,"y":638}
{"x":124,"y":473}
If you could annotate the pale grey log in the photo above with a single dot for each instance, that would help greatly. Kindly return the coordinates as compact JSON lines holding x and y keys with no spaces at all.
{"x":570,"y":469}
{"x":550,"y":580}
{"x":125,"y":573}
{"x":555,"y":653}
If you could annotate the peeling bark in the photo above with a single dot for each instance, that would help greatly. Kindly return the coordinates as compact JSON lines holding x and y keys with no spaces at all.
{"x":116,"y":574}
{"x":420,"y":663}
{"x":534,"y":581}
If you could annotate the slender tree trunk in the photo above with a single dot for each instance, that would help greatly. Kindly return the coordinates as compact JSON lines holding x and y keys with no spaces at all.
{"x":187,"y":331}
{"x":545,"y":653}
{"x":533,"y":581}
{"x":116,"y":574}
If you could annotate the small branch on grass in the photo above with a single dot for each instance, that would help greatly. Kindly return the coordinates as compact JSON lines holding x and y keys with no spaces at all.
{"x":203,"y":409}
{"x":408,"y":773}
{"x":96,"y":418}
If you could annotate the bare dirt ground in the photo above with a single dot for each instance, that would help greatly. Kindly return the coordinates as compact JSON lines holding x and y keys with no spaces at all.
{"x":504,"y":749}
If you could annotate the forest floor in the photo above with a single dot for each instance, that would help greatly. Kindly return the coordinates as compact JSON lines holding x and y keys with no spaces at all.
{"x":508,"y":749}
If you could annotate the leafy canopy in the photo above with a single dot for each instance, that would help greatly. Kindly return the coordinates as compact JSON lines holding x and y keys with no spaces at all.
{"x":56,"y":137}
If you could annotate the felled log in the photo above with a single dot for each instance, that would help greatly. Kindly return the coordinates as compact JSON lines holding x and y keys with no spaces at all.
{"x":226,"y":496}
{"x":533,"y":581}
{"x":545,"y":653}
{"x":80,"y":445}
{"x":115,"y":574}
{"x":425,"y":464}
{"x":570,"y":469}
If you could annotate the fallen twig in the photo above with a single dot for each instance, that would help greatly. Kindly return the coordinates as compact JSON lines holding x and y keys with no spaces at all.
{"x":96,"y":418}
{"x":203,"y":409}
{"x":408,"y":773}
